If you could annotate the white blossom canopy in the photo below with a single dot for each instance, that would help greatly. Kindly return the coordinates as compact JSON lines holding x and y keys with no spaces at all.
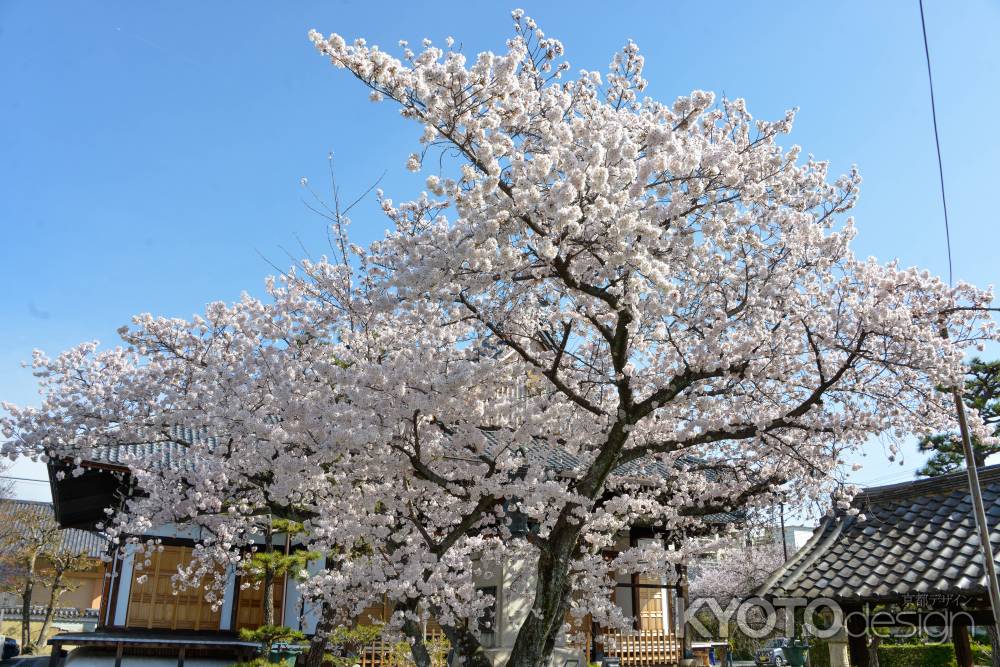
{"x":659,"y":296}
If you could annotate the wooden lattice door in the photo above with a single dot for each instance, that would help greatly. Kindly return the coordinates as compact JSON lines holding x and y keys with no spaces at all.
{"x":652,"y":598}
{"x":153,"y":603}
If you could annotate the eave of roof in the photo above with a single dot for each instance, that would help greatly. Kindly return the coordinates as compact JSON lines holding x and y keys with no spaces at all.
{"x":174,"y":454}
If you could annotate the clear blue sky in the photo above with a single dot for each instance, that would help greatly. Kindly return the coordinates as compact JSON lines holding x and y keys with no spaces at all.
{"x":150,"y":153}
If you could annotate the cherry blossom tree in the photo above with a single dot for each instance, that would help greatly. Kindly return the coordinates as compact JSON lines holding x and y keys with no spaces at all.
{"x":658,"y":296}
{"x":735,"y":571}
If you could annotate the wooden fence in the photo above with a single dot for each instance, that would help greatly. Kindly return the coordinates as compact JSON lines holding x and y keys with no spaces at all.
{"x":644,"y":648}
{"x":387,"y":654}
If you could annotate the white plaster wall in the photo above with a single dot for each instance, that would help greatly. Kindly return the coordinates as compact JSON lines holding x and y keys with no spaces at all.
{"x":125,"y":584}
{"x":228,"y":596}
{"x":801,"y":536}
{"x":623,"y":596}
{"x":513,"y":609}
{"x":311,"y":612}
{"x":290,"y":611}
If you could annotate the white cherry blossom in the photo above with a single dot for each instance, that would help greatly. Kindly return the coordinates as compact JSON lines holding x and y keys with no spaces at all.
{"x":605,"y":312}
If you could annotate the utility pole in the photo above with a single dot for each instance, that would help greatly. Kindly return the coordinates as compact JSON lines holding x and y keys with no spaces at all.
{"x":784,"y":540}
{"x":980,"y":511}
{"x":975,"y":492}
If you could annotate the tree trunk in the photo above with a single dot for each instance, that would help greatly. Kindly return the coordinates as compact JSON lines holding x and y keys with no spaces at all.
{"x":414,"y":631}
{"x":269,"y":576}
{"x":873,"y":650}
{"x":317,"y":648}
{"x":468,"y":652}
{"x":317,"y":643}
{"x":50,"y":611}
{"x":857,"y":637}
{"x":26,"y":615}
{"x":963,"y":649}
{"x":268,"y":596}
{"x":537,"y":637}
{"x":538,"y":634}
{"x":29,"y":586}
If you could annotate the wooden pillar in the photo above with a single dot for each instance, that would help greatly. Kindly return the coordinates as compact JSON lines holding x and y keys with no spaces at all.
{"x":180,"y":656}
{"x":857,"y":637}
{"x":118,"y":654}
{"x":685,"y":595}
{"x":963,"y":649}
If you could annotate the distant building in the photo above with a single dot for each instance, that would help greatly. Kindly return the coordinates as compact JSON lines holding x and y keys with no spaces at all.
{"x":78,"y":607}
{"x":795,"y":536}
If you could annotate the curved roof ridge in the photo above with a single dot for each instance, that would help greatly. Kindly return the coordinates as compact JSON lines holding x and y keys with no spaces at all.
{"x":842,"y":522}
{"x":927,"y":486}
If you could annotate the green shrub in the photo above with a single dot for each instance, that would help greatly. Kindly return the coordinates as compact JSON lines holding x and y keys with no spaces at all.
{"x":982,"y":654}
{"x":819,"y":652}
{"x":256,"y":662}
{"x":346,"y":643}
{"x":916,"y":655}
{"x":268,"y":635}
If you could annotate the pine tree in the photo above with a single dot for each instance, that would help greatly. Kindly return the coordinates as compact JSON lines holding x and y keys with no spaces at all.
{"x":269,"y":565}
{"x":982,"y":392}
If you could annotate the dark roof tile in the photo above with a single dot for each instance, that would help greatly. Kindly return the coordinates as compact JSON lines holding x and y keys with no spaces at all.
{"x":73,"y":540}
{"x":918,"y":537}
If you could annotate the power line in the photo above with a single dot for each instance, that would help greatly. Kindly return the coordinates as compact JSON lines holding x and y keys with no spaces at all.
{"x":975,"y":491}
{"x":937,"y":142}
{"x":24,"y":479}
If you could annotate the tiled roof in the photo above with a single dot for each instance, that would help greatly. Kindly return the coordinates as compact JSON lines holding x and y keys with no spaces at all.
{"x":917,"y":538}
{"x":167,"y":454}
{"x":73,"y":540}
{"x":174,"y":454}
{"x":60,"y":613}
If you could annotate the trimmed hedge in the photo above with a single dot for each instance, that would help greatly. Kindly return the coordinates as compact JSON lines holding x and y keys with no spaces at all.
{"x":916,"y":655}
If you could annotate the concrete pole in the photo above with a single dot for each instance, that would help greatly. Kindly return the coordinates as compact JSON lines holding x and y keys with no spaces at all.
{"x":977,"y":506}
{"x":784,"y":539}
